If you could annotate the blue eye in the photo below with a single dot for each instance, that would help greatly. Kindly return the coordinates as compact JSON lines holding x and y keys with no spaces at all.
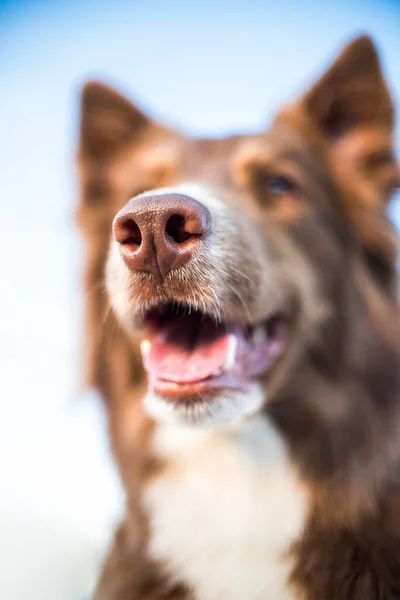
{"x":279,"y":186}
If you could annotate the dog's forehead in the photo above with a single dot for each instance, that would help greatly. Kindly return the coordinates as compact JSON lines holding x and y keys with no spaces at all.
{"x":270,"y":141}
{"x":210,"y":158}
{"x":196,"y":152}
{"x":218,"y":156}
{"x":173,"y":158}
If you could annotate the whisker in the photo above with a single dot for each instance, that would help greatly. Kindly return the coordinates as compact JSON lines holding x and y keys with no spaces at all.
{"x":107,"y":314}
{"x":238,"y":295}
{"x":98,"y":286}
{"x":239,"y":273}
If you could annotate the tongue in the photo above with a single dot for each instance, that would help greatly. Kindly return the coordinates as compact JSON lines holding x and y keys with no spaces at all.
{"x":186,"y":349}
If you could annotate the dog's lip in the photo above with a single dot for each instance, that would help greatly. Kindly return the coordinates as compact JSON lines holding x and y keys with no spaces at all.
{"x":250,"y":351}
{"x":204,"y":390}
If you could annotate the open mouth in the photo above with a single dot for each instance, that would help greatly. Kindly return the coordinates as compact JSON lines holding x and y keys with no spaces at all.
{"x":187,"y":352}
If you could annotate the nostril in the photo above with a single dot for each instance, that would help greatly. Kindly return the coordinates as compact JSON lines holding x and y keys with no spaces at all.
{"x":129,"y":233}
{"x":177,"y":230}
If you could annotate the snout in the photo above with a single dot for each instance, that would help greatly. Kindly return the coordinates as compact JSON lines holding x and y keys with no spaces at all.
{"x":160,"y":233}
{"x":209,"y":315}
{"x":194,"y":246}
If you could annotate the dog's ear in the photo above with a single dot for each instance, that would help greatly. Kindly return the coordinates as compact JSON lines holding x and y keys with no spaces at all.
{"x":352,"y":109}
{"x":108,"y":121}
{"x":110,"y":126}
{"x":352,"y":92}
{"x":350,"y":115}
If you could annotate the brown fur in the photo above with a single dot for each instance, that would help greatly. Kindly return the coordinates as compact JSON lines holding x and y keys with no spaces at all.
{"x":335,"y":398}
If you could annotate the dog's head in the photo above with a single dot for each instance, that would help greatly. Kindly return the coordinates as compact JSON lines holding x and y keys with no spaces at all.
{"x":228,"y":261}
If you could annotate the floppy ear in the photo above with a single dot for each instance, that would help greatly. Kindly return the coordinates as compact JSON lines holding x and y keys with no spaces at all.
{"x":108,"y":120}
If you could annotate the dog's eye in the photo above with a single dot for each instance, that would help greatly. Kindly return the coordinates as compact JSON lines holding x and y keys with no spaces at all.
{"x":275,"y":190}
{"x":278,"y":186}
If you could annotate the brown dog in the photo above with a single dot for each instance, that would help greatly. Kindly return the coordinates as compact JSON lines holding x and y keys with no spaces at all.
{"x":248,"y":346}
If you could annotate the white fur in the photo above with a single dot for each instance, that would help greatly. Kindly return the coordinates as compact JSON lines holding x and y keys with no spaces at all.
{"x":225,"y":510}
{"x":229,"y":407}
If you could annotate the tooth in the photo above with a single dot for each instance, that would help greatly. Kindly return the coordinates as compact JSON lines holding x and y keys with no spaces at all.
{"x":217,"y":372}
{"x":145,"y":347}
{"x":230,"y":352}
{"x":259,"y":334}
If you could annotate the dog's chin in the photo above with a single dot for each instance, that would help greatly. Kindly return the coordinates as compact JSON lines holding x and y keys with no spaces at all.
{"x":218,"y":408}
{"x":206,"y":372}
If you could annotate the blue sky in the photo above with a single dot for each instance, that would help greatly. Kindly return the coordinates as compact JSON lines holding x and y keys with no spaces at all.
{"x":208,"y":67}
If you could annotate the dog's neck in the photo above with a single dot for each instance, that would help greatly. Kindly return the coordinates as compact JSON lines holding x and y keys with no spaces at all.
{"x":342,"y":425}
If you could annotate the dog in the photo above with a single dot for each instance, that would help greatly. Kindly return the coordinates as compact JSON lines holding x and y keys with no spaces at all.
{"x":247,"y":345}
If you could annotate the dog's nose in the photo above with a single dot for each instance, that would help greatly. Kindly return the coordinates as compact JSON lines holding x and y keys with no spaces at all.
{"x":158,"y":233}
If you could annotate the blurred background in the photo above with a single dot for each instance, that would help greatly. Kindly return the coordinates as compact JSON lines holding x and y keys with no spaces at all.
{"x":207,"y":67}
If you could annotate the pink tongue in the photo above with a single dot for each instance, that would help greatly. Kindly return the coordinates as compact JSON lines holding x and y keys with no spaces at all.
{"x":186,"y":349}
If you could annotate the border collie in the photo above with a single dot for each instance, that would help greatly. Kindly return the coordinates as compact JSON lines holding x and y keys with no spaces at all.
{"x":247,"y":346}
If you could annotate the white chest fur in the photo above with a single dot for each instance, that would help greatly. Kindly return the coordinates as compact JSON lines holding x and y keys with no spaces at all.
{"x":225,"y":510}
